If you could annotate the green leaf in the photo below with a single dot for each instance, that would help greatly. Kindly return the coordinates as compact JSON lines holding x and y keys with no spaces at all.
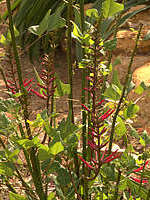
{"x":110,"y":8}
{"x":62,"y":88}
{"x":26,"y":143}
{"x":51,"y":196}
{"x":111,"y":93}
{"x":49,"y":22}
{"x":110,"y":45}
{"x":56,"y":148}
{"x":43,"y":152}
{"x":76,"y":33}
{"x":17,"y":95}
{"x":140,"y":88}
{"x":120,"y":128}
{"x":13,"y":196}
{"x":63,"y":177}
{"x":6,"y":168}
{"x":92,"y":13}
{"x":131,"y":110}
{"x":115,"y":79}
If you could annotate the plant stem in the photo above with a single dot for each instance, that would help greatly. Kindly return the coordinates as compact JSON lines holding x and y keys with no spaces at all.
{"x":84,"y":115}
{"x":36,"y":172}
{"x":117,"y":185}
{"x":70,"y":74}
{"x":16,"y":56}
{"x":126,"y":85}
{"x":69,"y":57}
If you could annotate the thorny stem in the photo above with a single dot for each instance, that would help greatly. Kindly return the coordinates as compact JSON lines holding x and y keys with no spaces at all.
{"x":117,"y":185}
{"x":110,"y":54}
{"x":70,"y":74}
{"x":74,"y":186}
{"x":36,"y":172}
{"x":69,"y":57}
{"x":126,"y":85}
{"x":11,"y":27}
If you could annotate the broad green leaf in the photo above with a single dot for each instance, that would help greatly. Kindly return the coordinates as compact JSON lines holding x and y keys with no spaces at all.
{"x":139,"y":90}
{"x":51,"y":196}
{"x":120,"y":128}
{"x":26,"y":143}
{"x":110,"y":8}
{"x":76,"y":33}
{"x":49,"y":22}
{"x":111,"y":93}
{"x":13,"y":196}
{"x":92,"y":13}
{"x":61,"y":88}
{"x":43,"y":152}
{"x":56,"y":148}
{"x":131,"y":110}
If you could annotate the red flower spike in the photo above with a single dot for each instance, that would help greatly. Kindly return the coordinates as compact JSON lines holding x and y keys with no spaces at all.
{"x":9,"y":81}
{"x":103,"y":154}
{"x":38,"y":94}
{"x":85,"y":162}
{"x":141,"y":168}
{"x":92,"y":145}
{"x":138,"y":180}
{"x":99,"y":103}
{"x":111,"y":159}
{"x":25,"y":81}
{"x":42,"y":86}
{"x":11,"y":87}
{"x":28,"y":82}
{"x":85,"y":107}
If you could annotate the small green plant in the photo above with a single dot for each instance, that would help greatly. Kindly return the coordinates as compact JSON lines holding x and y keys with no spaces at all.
{"x":72,"y":161}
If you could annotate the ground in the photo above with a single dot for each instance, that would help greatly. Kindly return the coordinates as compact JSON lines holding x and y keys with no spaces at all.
{"x":140,"y":68}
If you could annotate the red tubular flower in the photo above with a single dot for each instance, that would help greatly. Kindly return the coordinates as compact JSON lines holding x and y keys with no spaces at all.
{"x":41,"y":86}
{"x":85,"y":162}
{"x":141,"y":168}
{"x":107,"y":114}
{"x":14,"y":88}
{"x":99,"y":103}
{"x":38,"y":94}
{"x":85,"y":107}
{"x":138,"y":180}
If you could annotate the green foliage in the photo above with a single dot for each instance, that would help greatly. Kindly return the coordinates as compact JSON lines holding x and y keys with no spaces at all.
{"x":55,"y":160}
{"x":110,"y":8}
{"x":13,"y":196}
{"x":49,"y":22}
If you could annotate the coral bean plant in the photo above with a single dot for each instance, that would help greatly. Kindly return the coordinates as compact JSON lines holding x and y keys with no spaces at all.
{"x":69,"y":160}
